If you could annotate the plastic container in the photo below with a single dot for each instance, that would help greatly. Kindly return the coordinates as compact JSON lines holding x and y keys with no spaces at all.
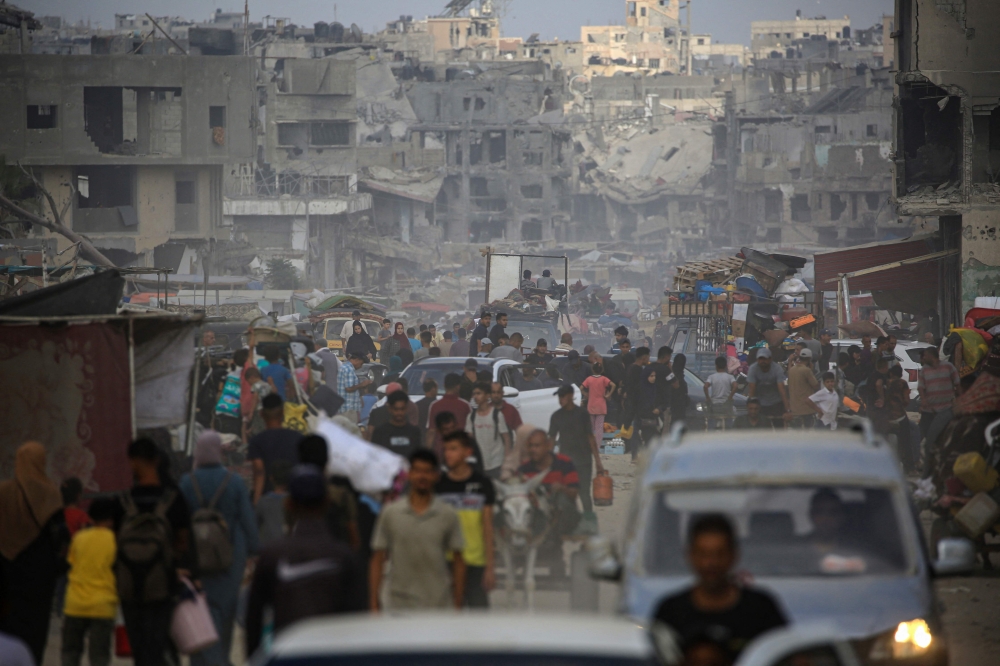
{"x":972,"y":470}
{"x":979,"y":515}
{"x":603,"y":490}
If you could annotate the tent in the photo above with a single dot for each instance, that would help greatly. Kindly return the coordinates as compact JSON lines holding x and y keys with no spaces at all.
{"x":84,"y":385}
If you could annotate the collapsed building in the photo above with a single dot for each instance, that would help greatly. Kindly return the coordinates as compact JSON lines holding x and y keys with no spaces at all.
{"x":947,"y":137}
{"x":132,"y":149}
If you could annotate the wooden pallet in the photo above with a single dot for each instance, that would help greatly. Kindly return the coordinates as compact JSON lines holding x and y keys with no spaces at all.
{"x":715,"y":271}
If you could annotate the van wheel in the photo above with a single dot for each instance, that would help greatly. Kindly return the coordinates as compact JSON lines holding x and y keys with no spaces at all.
{"x":583,"y":589}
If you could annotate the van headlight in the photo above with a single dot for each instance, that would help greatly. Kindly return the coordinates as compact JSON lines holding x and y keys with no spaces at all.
{"x":910,"y":639}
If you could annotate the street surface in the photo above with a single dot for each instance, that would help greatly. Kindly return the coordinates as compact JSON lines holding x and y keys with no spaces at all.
{"x":972,"y":605}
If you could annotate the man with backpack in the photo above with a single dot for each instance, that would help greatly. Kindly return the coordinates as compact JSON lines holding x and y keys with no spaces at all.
{"x":224,"y":534}
{"x":488,"y":427}
{"x":151,"y":514}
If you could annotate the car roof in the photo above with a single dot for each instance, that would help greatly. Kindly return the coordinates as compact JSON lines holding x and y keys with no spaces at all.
{"x":899,"y":343}
{"x":783,"y":455}
{"x":435,"y":632}
{"x":451,"y":360}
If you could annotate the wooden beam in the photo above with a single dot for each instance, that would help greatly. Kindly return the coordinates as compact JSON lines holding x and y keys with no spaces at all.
{"x":896,"y":264}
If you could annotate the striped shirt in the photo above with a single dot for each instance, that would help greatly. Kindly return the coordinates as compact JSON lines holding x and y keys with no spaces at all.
{"x":937,"y":386}
{"x":347,"y":378}
{"x":561,"y":471}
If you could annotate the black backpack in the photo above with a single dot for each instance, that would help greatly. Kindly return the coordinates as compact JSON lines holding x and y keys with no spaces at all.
{"x":212,"y":539}
{"x":144,"y":568}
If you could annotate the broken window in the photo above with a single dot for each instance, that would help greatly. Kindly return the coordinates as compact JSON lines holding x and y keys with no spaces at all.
{"x":533,"y":158}
{"x":772,"y":206}
{"x":41,"y":116}
{"x":642,"y":11}
{"x":478,"y":187}
{"x":871,"y":130}
{"x":873,"y":200}
{"x":837,"y":206}
{"x":467,"y":103}
{"x":497,"y":146}
{"x":104,"y":199}
{"x":931,"y":136}
{"x":262,"y":231}
{"x":292,"y":134}
{"x":822,"y":129}
{"x":995,"y":129}
{"x":475,"y":148}
{"x":330,"y":134}
{"x":854,"y":205}
{"x":801,"y":212}
{"x":631,"y":9}
{"x":531,"y":191}
{"x":185,"y":202}
{"x":654,"y":63}
{"x":216,"y":116}
{"x":531,"y":230}
{"x":480,"y":104}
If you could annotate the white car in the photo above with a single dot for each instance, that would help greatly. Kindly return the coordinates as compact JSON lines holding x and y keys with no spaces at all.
{"x":466,"y":639}
{"x":502,"y":639}
{"x":536,"y":405}
{"x":907,"y":352}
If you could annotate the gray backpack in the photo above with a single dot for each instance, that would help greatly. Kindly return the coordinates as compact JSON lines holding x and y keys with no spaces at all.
{"x":211,"y":532}
{"x":144,"y":568}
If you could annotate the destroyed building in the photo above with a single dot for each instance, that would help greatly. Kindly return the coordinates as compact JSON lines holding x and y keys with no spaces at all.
{"x":508,"y":158}
{"x":131,"y":148}
{"x":947,"y":137}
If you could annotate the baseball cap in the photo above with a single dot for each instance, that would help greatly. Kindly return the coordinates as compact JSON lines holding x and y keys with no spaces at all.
{"x":826,"y":331}
{"x":306,"y":485}
{"x":805,"y":353}
{"x":764,"y":352}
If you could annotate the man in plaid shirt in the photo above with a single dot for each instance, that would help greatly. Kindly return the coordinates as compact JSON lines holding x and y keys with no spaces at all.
{"x":350,"y":387}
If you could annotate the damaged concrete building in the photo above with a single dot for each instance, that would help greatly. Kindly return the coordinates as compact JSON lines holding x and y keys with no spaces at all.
{"x":947,"y":137}
{"x":508,"y":157}
{"x":131,"y":148}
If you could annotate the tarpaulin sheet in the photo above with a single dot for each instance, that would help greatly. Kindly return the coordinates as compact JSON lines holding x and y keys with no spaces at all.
{"x":68,"y":388}
{"x":912,"y":277}
{"x":162,"y":374}
{"x":94,"y":294}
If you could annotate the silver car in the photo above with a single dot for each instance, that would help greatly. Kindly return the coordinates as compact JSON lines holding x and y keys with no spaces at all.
{"x":824,"y":523}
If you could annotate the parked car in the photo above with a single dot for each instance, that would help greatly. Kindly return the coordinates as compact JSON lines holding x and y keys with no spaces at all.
{"x":908,"y":354}
{"x":876,"y":583}
{"x":467,"y":639}
{"x":536,"y":405}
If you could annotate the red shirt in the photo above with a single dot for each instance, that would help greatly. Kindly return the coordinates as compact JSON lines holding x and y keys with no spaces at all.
{"x":511,"y":415}
{"x":76,"y":519}
{"x":562,"y":471}
{"x":449,"y":403}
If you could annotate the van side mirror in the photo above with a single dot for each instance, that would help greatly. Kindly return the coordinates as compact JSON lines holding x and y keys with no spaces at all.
{"x":510,"y":392}
{"x":604,"y":563}
{"x":955,"y":557}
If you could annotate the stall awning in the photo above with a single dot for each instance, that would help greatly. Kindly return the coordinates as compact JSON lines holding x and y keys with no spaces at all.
{"x":910,"y":276}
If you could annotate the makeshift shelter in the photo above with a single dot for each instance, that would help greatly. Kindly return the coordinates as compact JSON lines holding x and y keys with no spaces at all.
{"x":84,"y":385}
{"x":94,"y":294}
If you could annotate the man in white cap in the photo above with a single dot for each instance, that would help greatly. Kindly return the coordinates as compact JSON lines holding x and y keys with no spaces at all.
{"x":802,"y":383}
{"x":766,"y":382}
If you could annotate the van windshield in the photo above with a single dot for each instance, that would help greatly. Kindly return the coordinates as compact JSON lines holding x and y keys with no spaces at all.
{"x":335,"y":325}
{"x":801,"y":530}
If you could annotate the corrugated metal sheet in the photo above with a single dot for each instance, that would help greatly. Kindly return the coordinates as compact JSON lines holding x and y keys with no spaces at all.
{"x":914,"y":276}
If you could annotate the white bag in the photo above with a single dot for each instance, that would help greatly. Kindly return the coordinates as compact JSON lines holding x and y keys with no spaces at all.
{"x":370,"y":468}
{"x":192,"y":627}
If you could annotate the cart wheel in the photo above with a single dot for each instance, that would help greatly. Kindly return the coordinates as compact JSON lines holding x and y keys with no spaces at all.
{"x":583,"y":588}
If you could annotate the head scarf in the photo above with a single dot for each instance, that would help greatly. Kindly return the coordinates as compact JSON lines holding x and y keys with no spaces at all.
{"x":404,"y":342}
{"x":27,"y":501}
{"x":360,"y":343}
{"x":208,"y":449}
{"x":395,"y":365}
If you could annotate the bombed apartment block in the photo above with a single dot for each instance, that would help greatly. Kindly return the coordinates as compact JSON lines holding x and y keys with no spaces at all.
{"x":132,"y":148}
{"x":294,"y":199}
{"x":508,"y":158}
{"x":947,"y":131}
{"x":821,"y":176}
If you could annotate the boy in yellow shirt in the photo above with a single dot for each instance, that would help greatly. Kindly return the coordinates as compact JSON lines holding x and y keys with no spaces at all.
{"x":91,"y":595}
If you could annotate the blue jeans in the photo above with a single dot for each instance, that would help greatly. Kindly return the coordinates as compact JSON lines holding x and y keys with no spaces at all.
{"x":932,"y":424}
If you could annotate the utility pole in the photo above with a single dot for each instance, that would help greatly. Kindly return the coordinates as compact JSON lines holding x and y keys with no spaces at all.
{"x":688,"y":54}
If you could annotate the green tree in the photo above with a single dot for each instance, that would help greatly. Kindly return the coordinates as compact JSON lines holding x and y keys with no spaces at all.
{"x":281,"y":274}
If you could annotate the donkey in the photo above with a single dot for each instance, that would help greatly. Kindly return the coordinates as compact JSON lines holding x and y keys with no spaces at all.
{"x":517,"y":536}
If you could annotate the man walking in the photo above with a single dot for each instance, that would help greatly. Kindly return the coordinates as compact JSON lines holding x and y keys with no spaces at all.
{"x":570,"y":429}
{"x":498,"y":329}
{"x":398,"y":435}
{"x":938,"y":383}
{"x":802,"y":383}
{"x":460,"y":347}
{"x":417,"y":534}
{"x":489,"y":429}
{"x":766,"y":382}
{"x":472,"y":496}
{"x":347,"y":330}
{"x":481,"y":331}
{"x":307,"y":573}
{"x":449,"y":402}
{"x":275,"y":444}
{"x":349,"y":387}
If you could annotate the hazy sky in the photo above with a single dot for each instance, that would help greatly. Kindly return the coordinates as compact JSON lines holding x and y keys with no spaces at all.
{"x":726,"y":20}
